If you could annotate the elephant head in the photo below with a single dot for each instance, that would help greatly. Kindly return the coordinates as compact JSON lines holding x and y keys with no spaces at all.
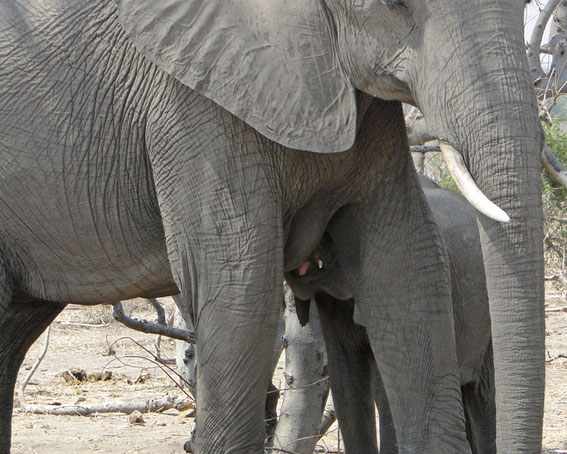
{"x":290,"y":69}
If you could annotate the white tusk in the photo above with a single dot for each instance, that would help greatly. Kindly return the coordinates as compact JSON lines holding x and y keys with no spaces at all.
{"x":320,"y":263}
{"x":553,"y":166}
{"x":468,"y":187}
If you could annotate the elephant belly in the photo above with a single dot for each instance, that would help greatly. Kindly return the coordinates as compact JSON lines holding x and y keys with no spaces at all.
{"x":81,"y":247}
{"x":80,"y":219}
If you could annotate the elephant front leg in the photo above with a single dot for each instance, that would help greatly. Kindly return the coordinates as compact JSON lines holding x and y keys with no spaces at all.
{"x":236,"y":331}
{"x":225,"y":245}
{"x":235,"y":304}
{"x":395,"y":262}
{"x":234,"y":290}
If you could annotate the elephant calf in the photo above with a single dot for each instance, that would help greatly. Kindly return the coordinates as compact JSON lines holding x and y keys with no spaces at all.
{"x":354,"y":375}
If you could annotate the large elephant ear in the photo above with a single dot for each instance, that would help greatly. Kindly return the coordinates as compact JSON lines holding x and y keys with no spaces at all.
{"x":272,"y":63}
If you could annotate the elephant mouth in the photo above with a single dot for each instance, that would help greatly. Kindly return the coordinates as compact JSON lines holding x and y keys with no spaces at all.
{"x":323,"y":258}
{"x":313,"y":263}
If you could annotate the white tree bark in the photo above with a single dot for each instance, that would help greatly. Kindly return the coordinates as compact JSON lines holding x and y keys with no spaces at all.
{"x":111,"y":406}
{"x":550,"y":85}
{"x":307,"y":385}
{"x":558,"y":47}
{"x":185,"y":354}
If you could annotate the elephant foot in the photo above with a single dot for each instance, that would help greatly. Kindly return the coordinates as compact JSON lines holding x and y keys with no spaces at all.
{"x":188,"y":446}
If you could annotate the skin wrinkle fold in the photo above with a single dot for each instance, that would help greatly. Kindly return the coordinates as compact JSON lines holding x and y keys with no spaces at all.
{"x":202,"y":221}
{"x":91,"y":161}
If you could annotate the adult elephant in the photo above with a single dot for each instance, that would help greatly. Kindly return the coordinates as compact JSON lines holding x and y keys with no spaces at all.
{"x":149,"y":147}
{"x":355,"y":380}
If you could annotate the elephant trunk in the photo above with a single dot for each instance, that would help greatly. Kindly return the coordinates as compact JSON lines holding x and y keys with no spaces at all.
{"x":491,"y":118}
{"x":514,"y":269}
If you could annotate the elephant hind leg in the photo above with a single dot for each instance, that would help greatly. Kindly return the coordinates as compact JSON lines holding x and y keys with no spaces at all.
{"x":480,"y":410}
{"x":21,"y":323}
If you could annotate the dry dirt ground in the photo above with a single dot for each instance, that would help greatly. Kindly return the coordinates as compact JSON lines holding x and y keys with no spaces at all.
{"x":136,"y":378}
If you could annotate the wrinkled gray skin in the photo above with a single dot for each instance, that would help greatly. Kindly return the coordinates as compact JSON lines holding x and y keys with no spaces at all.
{"x":123,"y":173}
{"x":354,"y":378}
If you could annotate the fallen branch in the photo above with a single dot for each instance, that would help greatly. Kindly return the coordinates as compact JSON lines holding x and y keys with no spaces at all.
{"x":161,"y":321}
{"x":557,"y":309}
{"x":159,"y":309}
{"x":82,"y":325}
{"x":112,"y":406}
{"x":151,"y":328}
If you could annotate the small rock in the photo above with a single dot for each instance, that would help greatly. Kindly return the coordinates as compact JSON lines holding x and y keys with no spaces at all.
{"x":105,"y":376}
{"x":142,"y":378}
{"x":29,"y":425}
{"x":73,"y":375}
{"x":136,"y":418}
{"x":187,"y":404}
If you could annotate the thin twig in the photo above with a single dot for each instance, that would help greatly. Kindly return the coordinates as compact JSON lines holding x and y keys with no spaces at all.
{"x":561,"y":355}
{"x":162,"y":366}
{"x":21,"y":391}
{"x":308,"y":385}
{"x":285,"y":451}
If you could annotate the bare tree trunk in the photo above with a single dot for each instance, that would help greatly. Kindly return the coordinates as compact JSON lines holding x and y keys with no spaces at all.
{"x":307,"y":385}
{"x":419,"y":162}
{"x":559,"y":24}
{"x":558,"y":47}
{"x":185,"y":353}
